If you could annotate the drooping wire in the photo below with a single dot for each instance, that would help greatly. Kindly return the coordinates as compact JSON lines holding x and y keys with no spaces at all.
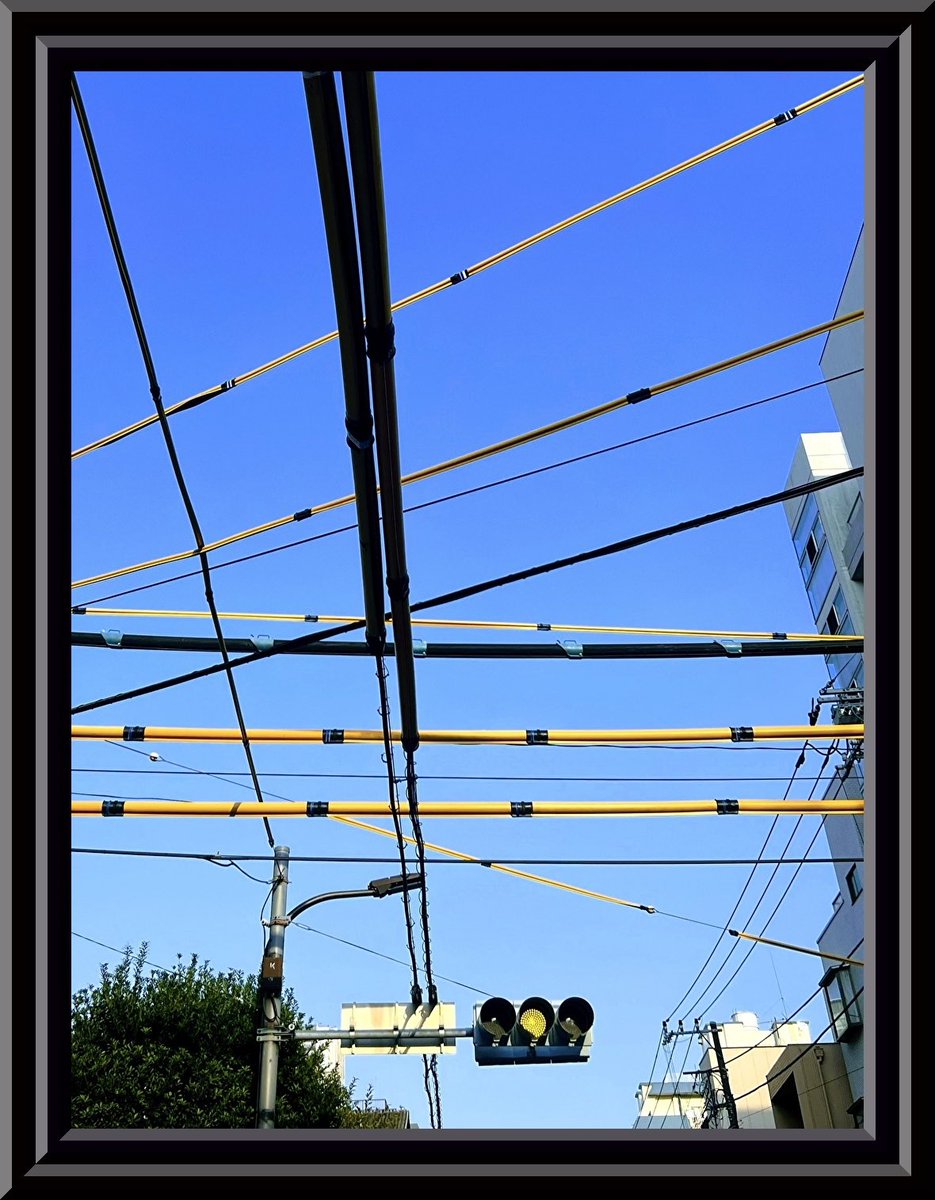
{"x":800,"y":762}
{"x":481,"y":487}
{"x":476,"y":589}
{"x":652,"y":1069}
{"x":785,"y":892}
{"x":104,"y":945}
{"x":156,"y":394}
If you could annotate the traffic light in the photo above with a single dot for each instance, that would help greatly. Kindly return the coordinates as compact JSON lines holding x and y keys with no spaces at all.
{"x":535,"y":1031}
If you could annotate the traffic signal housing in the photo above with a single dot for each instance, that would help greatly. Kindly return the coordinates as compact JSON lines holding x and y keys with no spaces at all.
{"x":535,"y":1030}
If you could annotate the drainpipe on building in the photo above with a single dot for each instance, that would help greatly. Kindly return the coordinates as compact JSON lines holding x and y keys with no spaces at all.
{"x":819,"y":1059}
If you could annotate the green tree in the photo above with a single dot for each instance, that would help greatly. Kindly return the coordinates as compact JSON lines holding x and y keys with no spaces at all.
{"x":178,"y":1050}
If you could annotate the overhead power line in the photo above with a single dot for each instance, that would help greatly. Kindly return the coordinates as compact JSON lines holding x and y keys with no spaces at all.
{"x":482,"y":737}
{"x":463,"y":808}
{"x":156,"y":393}
{"x":512,"y":443}
{"x":457,"y":862}
{"x":113,"y":639}
{"x":504,"y":580}
{"x":492,"y":260}
{"x":230,"y":562}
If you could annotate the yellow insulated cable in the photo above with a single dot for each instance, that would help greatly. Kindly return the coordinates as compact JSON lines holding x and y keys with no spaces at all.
{"x":512,"y":443}
{"x":483,"y":737}
{"x":565,"y":887}
{"x":465,"y":808}
{"x":752,"y":937}
{"x":451,"y":624}
{"x":492,"y":260}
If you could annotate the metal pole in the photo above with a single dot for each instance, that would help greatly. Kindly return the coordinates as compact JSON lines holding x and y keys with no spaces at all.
{"x":271,"y":992}
{"x":725,"y":1082}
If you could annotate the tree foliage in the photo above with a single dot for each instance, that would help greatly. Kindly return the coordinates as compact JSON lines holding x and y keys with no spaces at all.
{"x":178,"y":1050}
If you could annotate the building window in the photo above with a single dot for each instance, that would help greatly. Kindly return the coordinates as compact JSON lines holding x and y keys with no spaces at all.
{"x":854,"y":883}
{"x":818,"y":582}
{"x":843,"y":1003}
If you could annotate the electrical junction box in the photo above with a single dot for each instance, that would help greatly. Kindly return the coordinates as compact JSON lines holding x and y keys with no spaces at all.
{"x":387,"y":1021}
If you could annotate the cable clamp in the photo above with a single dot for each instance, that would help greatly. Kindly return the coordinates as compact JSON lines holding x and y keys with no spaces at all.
{"x":543,"y":627}
{"x":302,"y":514}
{"x":261,"y":642}
{"x":112,"y":808}
{"x":741,"y":733}
{"x":79,"y":610}
{"x":727,"y":807}
{"x":311,"y":618}
{"x":113,"y":637}
{"x":419,"y":648}
{"x":520,"y":808}
{"x":316,"y":808}
{"x":134,"y":733}
{"x":380,"y":343}
{"x":227,"y":385}
{"x":781,"y":637}
{"x":332,"y":737}
{"x":359,"y":434}
{"x":572,"y":648}
{"x":732,"y":648}
{"x":638,"y":395}
{"x":537,"y":737}
{"x":459,"y":277}
{"x":785,"y":116}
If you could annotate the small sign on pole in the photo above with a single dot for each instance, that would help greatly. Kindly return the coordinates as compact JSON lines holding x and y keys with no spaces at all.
{"x":377,"y":1029}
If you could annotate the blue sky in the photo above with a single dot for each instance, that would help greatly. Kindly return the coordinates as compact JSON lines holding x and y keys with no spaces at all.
{"x":213,"y":186}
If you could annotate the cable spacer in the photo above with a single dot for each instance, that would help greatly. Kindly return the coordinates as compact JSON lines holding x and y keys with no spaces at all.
{"x":332,"y":737}
{"x":381,"y":345}
{"x":316,"y":808}
{"x":302,"y":514}
{"x":741,"y":733}
{"x":638,"y":395}
{"x":732,"y":648}
{"x":419,"y":648}
{"x":785,"y":116}
{"x":572,"y":648}
{"x":543,"y":627}
{"x":134,"y":733}
{"x":359,"y":434}
{"x":261,"y":642}
{"x":782,"y":637}
{"x":520,"y":808}
{"x":537,"y":737}
{"x":459,"y":277}
{"x":112,"y":637}
{"x":112,"y":808}
{"x":727,"y":807}
{"x":311,"y":618}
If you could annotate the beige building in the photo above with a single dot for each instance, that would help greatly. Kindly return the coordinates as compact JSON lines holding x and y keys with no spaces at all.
{"x":750,"y":1055}
{"x":812,"y":1091}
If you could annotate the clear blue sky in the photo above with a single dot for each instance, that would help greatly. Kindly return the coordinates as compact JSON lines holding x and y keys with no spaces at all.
{"x":213,"y":185}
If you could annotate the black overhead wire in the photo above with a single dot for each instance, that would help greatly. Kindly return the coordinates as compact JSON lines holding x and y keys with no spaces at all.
{"x":462,"y":778}
{"x":500,"y":581}
{"x":480,"y":487}
{"x":800,"y":761}
{"x":653,"y":1068}
{"x":478,"y":861}
{"x":156,"y":393}
{"x":779,"y":902}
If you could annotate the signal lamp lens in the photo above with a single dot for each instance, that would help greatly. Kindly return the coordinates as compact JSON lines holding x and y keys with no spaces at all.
{"x":535,"y":1018}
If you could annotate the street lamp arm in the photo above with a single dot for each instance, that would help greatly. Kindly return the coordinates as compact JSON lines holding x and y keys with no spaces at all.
{"x":300,"y":908}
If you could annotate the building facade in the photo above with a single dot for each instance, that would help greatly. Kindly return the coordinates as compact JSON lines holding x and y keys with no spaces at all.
{"x":827,"y":530}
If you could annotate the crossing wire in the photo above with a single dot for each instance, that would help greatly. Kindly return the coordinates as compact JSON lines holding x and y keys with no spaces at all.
{"x":492,"y":260}
{"x":484,"y":486}
{"x":785,"y":892}
{"x":512,"y":443}
{"x":156,"y":393}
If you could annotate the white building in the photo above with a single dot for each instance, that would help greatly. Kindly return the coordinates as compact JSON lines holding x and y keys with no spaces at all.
{"x":670,"y":1104}
{"x":827,"y":530}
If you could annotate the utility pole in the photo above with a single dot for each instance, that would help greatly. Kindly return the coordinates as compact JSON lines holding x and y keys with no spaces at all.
{"x":725,"y":1082}
{"x":271,"y":992}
